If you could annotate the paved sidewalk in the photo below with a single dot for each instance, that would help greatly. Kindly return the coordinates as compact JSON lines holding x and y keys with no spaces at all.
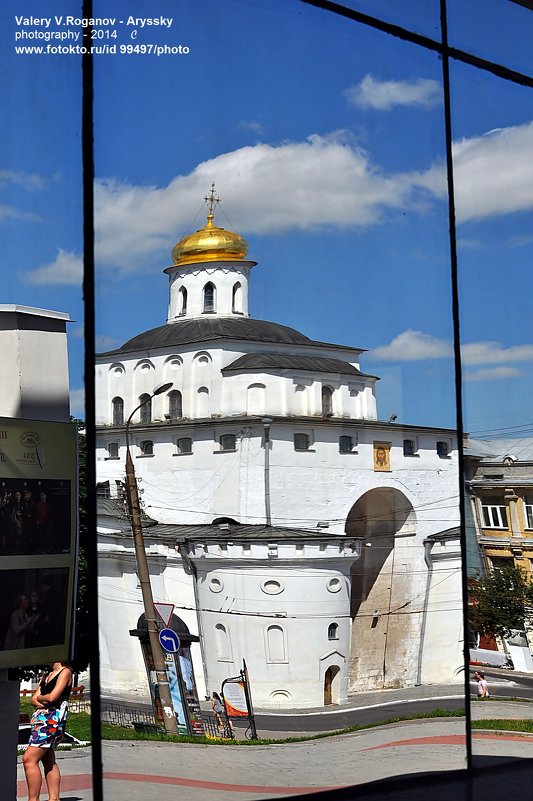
{"x":136,"y":771}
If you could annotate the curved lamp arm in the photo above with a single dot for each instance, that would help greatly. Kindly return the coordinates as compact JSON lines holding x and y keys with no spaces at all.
{"x":158,"y":391}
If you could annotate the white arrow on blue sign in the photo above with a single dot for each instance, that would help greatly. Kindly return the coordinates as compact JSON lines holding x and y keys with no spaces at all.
{"x":169,"y":641}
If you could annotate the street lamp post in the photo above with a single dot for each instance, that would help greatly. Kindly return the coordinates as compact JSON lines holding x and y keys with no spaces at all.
{"x":132,"y":495}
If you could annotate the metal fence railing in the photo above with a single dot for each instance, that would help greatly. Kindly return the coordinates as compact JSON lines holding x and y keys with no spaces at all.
{"x":118,"y":713}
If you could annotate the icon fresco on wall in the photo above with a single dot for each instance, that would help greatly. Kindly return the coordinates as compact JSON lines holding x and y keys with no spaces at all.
{"x":382,"y":457}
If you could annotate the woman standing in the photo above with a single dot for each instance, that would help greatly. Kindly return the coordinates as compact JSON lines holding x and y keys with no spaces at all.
{"x":218,"y":708}
{"x":48,"y":724}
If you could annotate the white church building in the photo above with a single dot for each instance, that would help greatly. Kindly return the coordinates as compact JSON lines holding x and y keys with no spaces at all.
{"x":287,"y":524}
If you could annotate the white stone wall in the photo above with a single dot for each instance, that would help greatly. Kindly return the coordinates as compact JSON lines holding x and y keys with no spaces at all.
{"x":443,"y":641}
{"x":272,"y":605}
{"x":122,"y":670}
{"x":192,"y":367}
{"x":34,"y":364}
{"x":306,"y":487}
{"x":193,"y":278}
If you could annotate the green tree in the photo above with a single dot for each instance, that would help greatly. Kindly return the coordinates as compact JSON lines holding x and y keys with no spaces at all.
{"x":499,"y":602}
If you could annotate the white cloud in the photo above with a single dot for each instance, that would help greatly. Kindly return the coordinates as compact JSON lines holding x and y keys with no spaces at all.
{"x":250,"y":125}
{"x":410,"y":346}
{"x":66,"y":269}
{"x":12,"y":213}
{"x":28,"y":181}
{"x":495,"y":353}
{"x":519,"y":241}
{"x":383,"y":95}
{"x":413,"y":346}
{"x":77,"y":402}
{"x":493,"y":174}
{"x":322,"y":181}
{"x":492,"y":373}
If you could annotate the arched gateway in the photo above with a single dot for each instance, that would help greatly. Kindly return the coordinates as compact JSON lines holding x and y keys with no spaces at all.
{"x":384,"y":588}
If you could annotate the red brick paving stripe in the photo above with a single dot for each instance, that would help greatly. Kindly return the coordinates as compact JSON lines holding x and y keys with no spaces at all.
{"x":452,"y":739}
{"x":234,"y":788}
{"x":483,"y":735}
{"x":79,"y":781}
{"x":83,"y":781}
{"x":441,"y":739}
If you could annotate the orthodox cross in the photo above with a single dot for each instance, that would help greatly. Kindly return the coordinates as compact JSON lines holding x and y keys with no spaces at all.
{"x":212,"y":199}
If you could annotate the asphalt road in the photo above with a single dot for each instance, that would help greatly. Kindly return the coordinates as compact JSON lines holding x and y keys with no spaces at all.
{"x":502,"y":684}
{"x":508,"y":684}
{"x":331,"y":720}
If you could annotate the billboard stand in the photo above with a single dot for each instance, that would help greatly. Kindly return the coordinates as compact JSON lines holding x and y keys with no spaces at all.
{"x":237,"y":699}
{"x":176,"y":642}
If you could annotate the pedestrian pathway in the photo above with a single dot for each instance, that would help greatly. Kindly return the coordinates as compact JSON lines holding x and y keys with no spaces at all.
{"x":134,"y":771}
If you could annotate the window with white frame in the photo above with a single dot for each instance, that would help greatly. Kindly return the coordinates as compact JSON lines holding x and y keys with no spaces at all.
{"x":333,"y":631}
{"x":182,"y":301}
{"x":346,"y":444}
{"x":494,"y":512}
{"x":184,"y":445}
{"x":175,"y":405}
{"x":147,"y":447}
{"x":302,"y":442}
{"x":276,"y":644}
{"x":118,"y":411}
{"x":112,"y":450}
{"x":209,"y":298}
{"x":223,"y":643}
{"x":236,"y":301}
{"x":409,"y":447}
{"x":227,"y":442}
{"x":443,"y":449}
{"x":528,"y":510}
{"x":327,"y":401}
{"x":145,"y":412}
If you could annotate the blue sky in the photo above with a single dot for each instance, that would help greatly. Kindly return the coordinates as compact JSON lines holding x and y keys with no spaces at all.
{"x":326,"y":143}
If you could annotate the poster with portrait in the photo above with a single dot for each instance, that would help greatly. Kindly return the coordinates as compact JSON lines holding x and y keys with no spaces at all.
{"x":382,"y":457}
{"x":38,"y":540}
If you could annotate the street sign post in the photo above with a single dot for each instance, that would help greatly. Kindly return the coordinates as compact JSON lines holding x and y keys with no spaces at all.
{"x":169,"y":640}
{"x":164,"y":611}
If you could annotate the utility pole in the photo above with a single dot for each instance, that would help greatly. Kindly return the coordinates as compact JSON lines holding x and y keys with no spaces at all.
{"x":132,"y":495}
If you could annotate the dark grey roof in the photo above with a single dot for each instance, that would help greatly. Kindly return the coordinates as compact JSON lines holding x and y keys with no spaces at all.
{"x":204,"y":329}
{"x":496,"y":450}
{"x":448,"y":534}
{"x":116,"y":508}
{"x":289,"y":361}
{"x":204,"y":531}
{"x":252,"y":532}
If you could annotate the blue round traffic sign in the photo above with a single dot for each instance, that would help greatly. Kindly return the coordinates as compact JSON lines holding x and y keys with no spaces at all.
{"x":169,"y":641}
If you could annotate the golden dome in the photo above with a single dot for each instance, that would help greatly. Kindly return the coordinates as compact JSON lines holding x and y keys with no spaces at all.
{"x":209,"y":243}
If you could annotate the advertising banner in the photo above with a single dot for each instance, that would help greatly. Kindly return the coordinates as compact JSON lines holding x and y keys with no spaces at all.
{"x":38,"y":540}
{"x":235,"y":699}
{"x":175,"y":694}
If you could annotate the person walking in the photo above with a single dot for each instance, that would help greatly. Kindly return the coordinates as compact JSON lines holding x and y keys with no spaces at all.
{"x":482,"y":685}
{"x":48,"y":723}
{"x":218,"y":708}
